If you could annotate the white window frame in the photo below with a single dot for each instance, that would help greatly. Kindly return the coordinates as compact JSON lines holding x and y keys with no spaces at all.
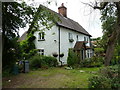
{"x":41,"y":36}
{"x":70,"y":35}
{"x":41,"y":51}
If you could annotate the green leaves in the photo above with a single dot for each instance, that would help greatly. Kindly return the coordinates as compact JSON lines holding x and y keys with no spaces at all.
{"x":108,"y":17}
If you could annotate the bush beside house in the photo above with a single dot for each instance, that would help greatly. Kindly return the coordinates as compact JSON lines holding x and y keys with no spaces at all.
{"x":72,"y":59}
{"x":39,"y":61}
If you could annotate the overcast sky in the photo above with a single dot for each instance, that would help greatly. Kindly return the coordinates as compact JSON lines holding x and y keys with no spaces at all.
{"x":79,"y":12}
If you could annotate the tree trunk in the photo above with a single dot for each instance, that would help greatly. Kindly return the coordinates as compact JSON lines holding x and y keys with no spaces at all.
{"x":110,"y":49}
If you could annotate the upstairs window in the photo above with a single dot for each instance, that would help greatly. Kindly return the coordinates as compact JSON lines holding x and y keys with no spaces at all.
{"x":84,"y":38}
{"x":41,"y":51}
{"x":77,"y":37}
{"x":41,"y":36}
{"x":70,"y":36}
{"x":87,"y":39}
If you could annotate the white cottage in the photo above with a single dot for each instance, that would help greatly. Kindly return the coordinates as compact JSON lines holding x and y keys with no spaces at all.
{"x":64,"y":35}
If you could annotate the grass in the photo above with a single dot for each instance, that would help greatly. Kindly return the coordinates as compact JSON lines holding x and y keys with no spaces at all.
{"x":51,"y":78}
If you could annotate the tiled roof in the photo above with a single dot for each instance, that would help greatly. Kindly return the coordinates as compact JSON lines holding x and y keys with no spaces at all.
{"x":70,"y":24}
{"x":23,"y":37}
{"x":79,"y":45}
{"x":64,"y":22}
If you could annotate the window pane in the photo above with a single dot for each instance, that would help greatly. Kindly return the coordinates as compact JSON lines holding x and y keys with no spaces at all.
{"x":84,"y":38}
{"x":70,"y":36}
{"x":77,"y":37}
{"x":41,"y":51}
{"x":39,"y":35}
{"x":42,"y":35}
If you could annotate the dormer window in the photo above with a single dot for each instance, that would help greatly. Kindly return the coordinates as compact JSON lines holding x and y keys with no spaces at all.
{"x":41,"y":36}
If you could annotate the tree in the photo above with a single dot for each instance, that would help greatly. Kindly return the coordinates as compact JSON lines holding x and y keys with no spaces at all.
{"x":14,"y":16}
{"x":111,"y":25}
{"x":43,"y":17}
{"x":114,"y":29}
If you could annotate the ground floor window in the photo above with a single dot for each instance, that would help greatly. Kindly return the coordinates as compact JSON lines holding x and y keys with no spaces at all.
{"x":88,"y":53}
{"x":41,"y":51}
{"x":91,"y":53}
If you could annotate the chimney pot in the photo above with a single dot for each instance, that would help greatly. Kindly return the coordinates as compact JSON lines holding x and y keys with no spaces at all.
{"x":62,"y":10}
{"x":62,"y":4}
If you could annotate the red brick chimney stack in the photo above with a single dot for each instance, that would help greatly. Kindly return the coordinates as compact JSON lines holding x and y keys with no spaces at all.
{"x":62,"y":10}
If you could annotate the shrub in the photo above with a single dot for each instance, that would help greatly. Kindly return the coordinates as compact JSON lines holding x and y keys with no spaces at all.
{"x":99,"y":82}
{"x":108,"y":78}
{"x":50,"y":61}
{"x":36,"y":61}
{"x":72,"y":59}
{"x":92,"y":62}
{"x":42,"y":61}
{"x":115,"y":60}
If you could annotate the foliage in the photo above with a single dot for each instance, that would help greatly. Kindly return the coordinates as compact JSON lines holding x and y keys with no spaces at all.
{"x":108,"y":78}
{"x":115,"y":60}
{"x":72,"y":59}
{"x":95,"y":39}
{"x":15,"y":15}
{"x":92,"y":62}
{"x":110,"y":24}
{"x":98,"y":51}
{"x":39,"y":61}
{"x":36,"y":61}
{"x":27,"y":47}
{"x":43,"y":19}
{"x":108,"y":18}
{"x":116,"y":57}
{"x":50,"y":61}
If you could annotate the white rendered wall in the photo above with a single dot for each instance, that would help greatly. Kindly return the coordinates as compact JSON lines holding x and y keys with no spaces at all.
{"x":51,"y":43}
{"x":65,"y":44}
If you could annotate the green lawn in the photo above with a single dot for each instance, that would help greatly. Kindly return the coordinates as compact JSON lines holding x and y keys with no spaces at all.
{"x":51,"y":78}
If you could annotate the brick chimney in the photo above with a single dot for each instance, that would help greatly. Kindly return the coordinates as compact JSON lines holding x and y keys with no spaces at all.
{"x":62,"y":10}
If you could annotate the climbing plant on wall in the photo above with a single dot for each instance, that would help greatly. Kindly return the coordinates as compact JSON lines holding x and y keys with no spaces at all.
{"x":43,"y":19}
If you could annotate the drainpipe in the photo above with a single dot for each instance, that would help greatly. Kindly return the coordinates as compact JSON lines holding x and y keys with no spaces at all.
{"x":59,"y":44}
